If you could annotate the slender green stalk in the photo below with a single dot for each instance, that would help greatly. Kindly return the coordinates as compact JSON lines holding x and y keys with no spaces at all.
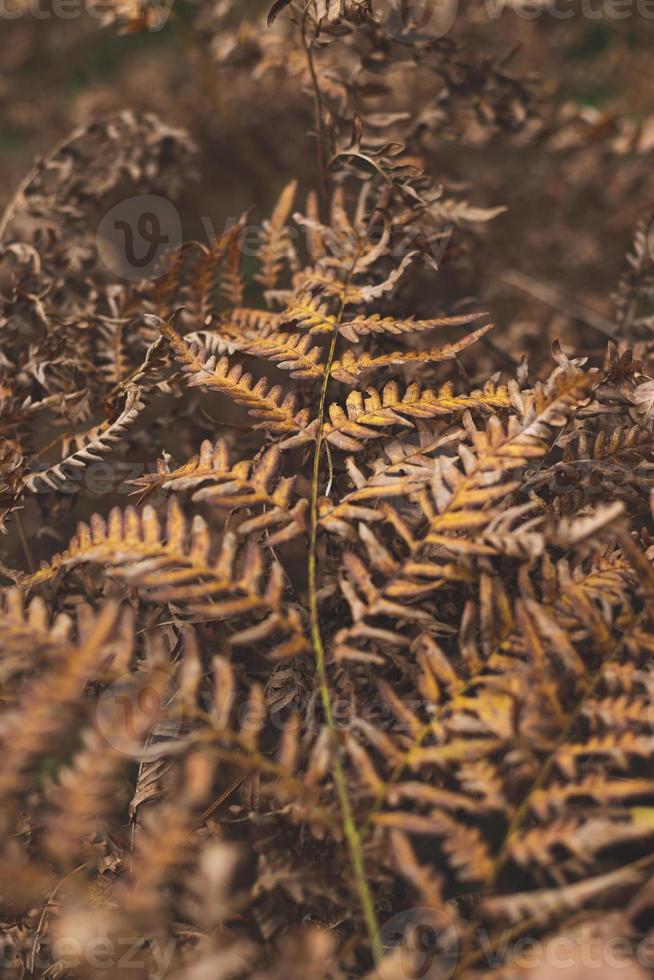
{"x":350,"y":829}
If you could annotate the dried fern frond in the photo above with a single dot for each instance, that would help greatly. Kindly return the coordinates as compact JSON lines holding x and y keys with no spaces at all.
{"x":278,"y":413}
{"x":98,"y":444}
{"x":373,"y":665}
{"x":246,"y":485}
{"x":178,"y":568}
{"x":368,"y":418}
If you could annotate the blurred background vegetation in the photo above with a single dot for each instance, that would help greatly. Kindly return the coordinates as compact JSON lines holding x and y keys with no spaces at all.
{"x":571,"y":204}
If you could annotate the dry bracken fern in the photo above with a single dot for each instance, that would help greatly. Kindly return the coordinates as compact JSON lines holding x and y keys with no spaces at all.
{"x":370,"y":650}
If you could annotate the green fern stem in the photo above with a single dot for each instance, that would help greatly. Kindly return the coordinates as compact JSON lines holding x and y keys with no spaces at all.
{"x":350,"y":829}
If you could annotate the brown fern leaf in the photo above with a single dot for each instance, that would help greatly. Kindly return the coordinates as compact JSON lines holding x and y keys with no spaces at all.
{"x":279,"y":413}
{"x":97,"y":444}
{"x":50,"y":703}
{"x":275,"y":240}
{"x":331,"y":12}
{"x":456,"y":516}
{"x":364,"y":326}
{"x":311,"y":312}
{"x":246,"y":485}
{"x":352,"y":366}
{"x":179,"y":569}
{"x":291,"y":352}
{"x":371,"y":416}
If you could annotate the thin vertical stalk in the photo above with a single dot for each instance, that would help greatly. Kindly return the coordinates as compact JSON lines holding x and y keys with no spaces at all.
{"x":321,"y":135}
{"x":350,"y":829}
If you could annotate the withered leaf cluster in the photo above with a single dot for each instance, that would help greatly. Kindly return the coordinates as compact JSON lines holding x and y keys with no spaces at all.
{"x":326,"y":622}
